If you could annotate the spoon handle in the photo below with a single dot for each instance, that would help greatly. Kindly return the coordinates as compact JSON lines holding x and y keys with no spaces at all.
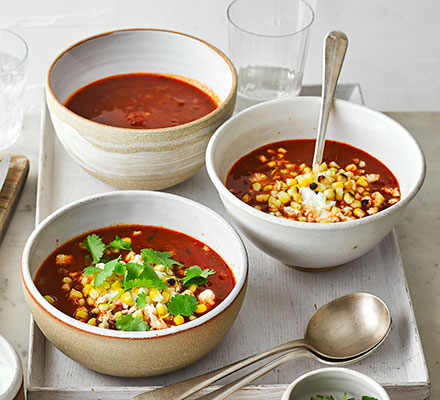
{"x":182,"y":390}
{"x":336,"y":44}
{"x":228,"y":389}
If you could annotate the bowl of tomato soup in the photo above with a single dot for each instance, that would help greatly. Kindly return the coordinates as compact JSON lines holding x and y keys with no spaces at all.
{"x":322,"y":216}
{"x":136,"y":108}
{"x":121,"y":281}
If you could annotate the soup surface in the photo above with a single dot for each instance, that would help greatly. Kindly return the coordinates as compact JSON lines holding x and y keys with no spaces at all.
{"x":279,"y":179}
{"x":141,"y":100}
{"x":134,"y":278}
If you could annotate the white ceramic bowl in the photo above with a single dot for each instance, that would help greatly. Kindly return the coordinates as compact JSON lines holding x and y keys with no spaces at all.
{"x":11,"y":373}
{"x":335,"y":382}
{"x":315,"y":246}
{"x":135,"y":353}
{"x":139,"y":158}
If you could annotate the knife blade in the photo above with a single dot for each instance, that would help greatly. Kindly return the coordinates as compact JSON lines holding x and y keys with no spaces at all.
{"x":4,"y":168}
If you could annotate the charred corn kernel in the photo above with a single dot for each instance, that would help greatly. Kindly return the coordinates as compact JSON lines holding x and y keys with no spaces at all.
{"x":179,"y":320}
{"x":291,"y":181}
{"x":75,"y":294}
{"x":95,"y":310}
{"x":259,"y":208}
{"x":359,"y":212}
{"x":114,"y":250}
{"x":66,"y":287}
{"x":262,"y":158}
{"x":166,"y":296}
{"x":335,"y":210}
{"x":137,"y":313}
{"x":268,"y":188}
{"x":193,"y":288}
{"x":81,"y":314}
{"x":104,"y":325}
{"x":126,"y":239}
{"x":116,"y":285}
{"x":92,"y":321}
{"x":348,"y":185}
{"x":356,"y":204}
{"x":160,"y":268}
{"x":105,"y":285}
{"x":129,"y":256}
{"x":90,"y":301}
{"x":118,"y":315}
{"x":192,"y":317}
{"x":256,"y":186}
{"x":201,"y":308}
{"x":50,"y":299}
{"x":341,"y":177}
{"x":262,"y":198}
{"x":362,"y":182}
{"x":378,"y":199}
{"x":81,"y":302}
{"x":83,"y":281}
{"x":302,"y":219}
{"x":295,"y":205}
{"x":330,"y":194}
{"x":349,"y":174}
{"x":284,"y":171}
{"x":66,"y":279}
{"x":271,"y":164}
{"x":339,"y":185}
{"x":284,"y":197}
{"x":94,"y":294}
{"x":246,"y":198}
{"x":362,"y":164}
{"x":162,"y":310}
{"x":339,"y":193}
{"x":155,"y":295}
{"x":334,"y":165}
{"x":103,"y":307}
{"x":351,"y":167}
{"x":126,"y":298}
{"x":282,"y":150}
{"x":348,"y":197}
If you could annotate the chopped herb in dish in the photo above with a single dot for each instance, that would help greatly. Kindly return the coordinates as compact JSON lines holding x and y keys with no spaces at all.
{"x":320,"y":397}
{"x":134,"y":278}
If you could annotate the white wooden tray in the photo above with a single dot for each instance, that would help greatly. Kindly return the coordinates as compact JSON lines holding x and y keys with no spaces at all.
{"x":278,"y":303}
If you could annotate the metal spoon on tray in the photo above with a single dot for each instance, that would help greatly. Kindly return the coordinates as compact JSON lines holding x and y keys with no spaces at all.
{"x":335,"y":46}
{"x":343,"y":331}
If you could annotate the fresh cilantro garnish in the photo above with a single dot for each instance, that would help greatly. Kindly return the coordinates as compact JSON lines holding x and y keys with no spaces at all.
{"x":113,"y":266}
{"x":321,"y":397}
{"x":367,"y":398}
{"x":128,"y":323}
{"x":159,"y":258}
{"x":96,"y":246}
{"x":141,"y":300}
{"x":91,"y":270}
{"x":119,"y":243}
{"x":182,"y":304}
{"x":196,"y":276}
{"x":142,"y":276}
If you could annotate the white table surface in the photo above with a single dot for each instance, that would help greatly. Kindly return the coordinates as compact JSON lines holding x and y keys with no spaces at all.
{"x":59,"y":24}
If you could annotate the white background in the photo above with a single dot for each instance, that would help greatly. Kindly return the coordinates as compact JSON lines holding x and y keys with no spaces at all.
{"x":394,"y":50}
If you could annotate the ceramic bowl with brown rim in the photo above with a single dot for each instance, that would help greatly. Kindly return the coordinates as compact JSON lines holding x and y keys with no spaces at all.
{"x":130,"y":158}
{"x":123,"y":353}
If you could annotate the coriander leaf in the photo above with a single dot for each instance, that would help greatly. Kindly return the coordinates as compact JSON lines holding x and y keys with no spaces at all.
{"x":159,"y":258}
{"x":95,"y":245}
{"x":128,"y":323}
{"x":182,"y":304}
{"x":119,"y":243}
{"x":91,"y":270}
{"x":368,"y":398}
{"x":108,"y":270}
{"x":142,"y":276}
{"x":196,"y":276}
{"x":141,"y":300}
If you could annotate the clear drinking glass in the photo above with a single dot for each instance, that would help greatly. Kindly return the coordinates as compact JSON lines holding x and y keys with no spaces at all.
{"x":13,"y":60}
{"x":268,"y":41}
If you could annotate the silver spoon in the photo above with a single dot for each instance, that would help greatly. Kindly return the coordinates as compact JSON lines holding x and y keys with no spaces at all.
{"x":335,"y":44}
{"x":347,"y":327}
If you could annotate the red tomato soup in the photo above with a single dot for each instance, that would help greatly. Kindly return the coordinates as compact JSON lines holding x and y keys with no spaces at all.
{"x":279,"y":179}
{"x":141,"y":100}
{"x":134,"y":278}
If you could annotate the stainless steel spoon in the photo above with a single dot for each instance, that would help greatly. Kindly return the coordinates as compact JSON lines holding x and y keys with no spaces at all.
{"x":335,"y":46}
{"x":347,"y":327}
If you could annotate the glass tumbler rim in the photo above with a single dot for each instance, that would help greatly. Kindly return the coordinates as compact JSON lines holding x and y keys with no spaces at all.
{"x":307,"y":25}
{"x":26,"y":49}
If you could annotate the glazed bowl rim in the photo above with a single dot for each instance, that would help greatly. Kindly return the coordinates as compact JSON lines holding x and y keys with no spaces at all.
{"x":30,"y":288}
{"x":341,"y":370}
{"x":172,"y":129}
{"x":220,"y":133}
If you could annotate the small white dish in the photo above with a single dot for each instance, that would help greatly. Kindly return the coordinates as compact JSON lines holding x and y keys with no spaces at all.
{"x":334,"y":382}
{"x":11,"y":373}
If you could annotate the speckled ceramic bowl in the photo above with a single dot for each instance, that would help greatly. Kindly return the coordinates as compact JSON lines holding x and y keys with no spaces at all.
{"x":139,"y":158}
{"x":135,"y":353}
{"x":315,"y":246}
{"x":334,"y":382}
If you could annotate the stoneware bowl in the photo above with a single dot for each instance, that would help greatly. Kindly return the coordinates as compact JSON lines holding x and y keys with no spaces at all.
{"x":11,"y":373}
{"x":335,"y":382}
{"x":135,"y":353}
{"x":315,"y":246}
{"x":139,"y":158}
